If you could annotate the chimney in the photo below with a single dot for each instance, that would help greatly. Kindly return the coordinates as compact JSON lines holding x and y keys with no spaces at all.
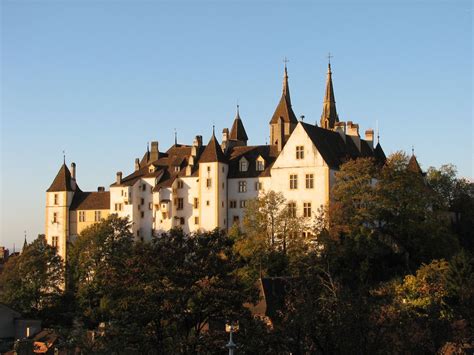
{"x":119,"y":177}
{"x":137,"y":164}
{"x":101,"y":189}
{"x":154,"y":153}
{"x":369,"y":137}
{"x":353,"y":131}
{"x":197,"y":141}
{"x":225,"y":139}
{"x":340,"y":127}
{"x":73,"y":170}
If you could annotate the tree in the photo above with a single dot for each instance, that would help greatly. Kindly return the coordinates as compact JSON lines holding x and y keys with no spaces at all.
{"x":272,"y":237}
{"x":32,"y":282}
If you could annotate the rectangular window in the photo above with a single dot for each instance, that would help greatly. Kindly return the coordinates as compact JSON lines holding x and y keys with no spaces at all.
{"x":181,"y":220}
{"x":142,"y":214}
{"x":56,"y":199}
{"x":243,"y":165}
{"x":144,"y":187}
{"x":82,"y":216}
{"x":208,"y":183}
{"x":55,"y":217}
{"x":118,"y":207}
{"x":196,"y":203}
{"x":208,"y":203}
{"x":243,"y":203}
{"x":293,"y":182}
{"x":180,"y":184}
{"x":258,"y":186}
{"x":208,"y":169}
{"x":142,"y":201}
{"x":307,"y":209}
{"x":242,"y":186}
{"x":180,"y":203}
{"x":54,"y":241}
{"x":300,"y":152}
{"x":309,"y":181}
{"x":196,"y":220}
{"x":260,"y":165}
{"x":232,"y":204}
{"x":97,"y":216}
{"x":292,"y":209}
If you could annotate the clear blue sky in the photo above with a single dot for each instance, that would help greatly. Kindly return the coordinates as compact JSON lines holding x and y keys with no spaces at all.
{"x":101,"y":78}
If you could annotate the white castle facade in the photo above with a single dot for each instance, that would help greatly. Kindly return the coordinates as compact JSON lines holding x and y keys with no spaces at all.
{"x":202,"y":187}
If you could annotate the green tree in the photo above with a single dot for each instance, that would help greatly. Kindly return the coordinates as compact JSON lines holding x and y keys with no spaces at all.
{"x":32,"y":282}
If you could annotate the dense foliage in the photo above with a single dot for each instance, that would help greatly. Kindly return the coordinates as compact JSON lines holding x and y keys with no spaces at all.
{"x":387,"y":267}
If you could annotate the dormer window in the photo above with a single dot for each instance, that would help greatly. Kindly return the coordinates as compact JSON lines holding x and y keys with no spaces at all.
{"x":260,"y":164}
{"x":151,"y":169}
{"x":243,"y":164}
{"x":176,"y":168}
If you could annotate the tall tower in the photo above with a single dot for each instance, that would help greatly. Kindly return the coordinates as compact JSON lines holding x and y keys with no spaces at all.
{"x":58,"y":201}
{"x":284,"y":120}
{"x":213,"y":170}
{"x":329,"y":116}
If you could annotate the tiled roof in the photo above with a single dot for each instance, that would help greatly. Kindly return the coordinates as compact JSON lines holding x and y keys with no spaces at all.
{"x":284,"y":109}
{"x":91,"y":201}
{"x":251,"y":153}
{"x":212,"y":152}
{"x":414,"y":166}
{"x":62,"y":181}
{"x":334,"y":150}
{"x":237,"y":133}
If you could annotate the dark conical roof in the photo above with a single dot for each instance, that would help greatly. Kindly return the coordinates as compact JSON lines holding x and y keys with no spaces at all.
{"x":284,"y":109}
{"x":329,"y":116}
{"x":213,"y":152}
{"x":413,"y":165}
{"x":237,"y":133}
{"x":62,"y":181}
{"x":379,"y":154}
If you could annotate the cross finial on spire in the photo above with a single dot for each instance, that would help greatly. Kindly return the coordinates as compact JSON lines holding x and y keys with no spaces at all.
{"x":285,"y":60}
{"x":412,"y":150}
{"x":329,"y":58}
{"x":213,"y":129}
{"x":64,"y":156}
{"x":175,"y":137}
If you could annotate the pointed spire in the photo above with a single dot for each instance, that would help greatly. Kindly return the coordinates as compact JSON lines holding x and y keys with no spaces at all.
{"x":62,"y":181}
{"x":284,"y":109}
{"x":286,"y":88}
{"x":25,"y":244}
{"x":175,"y":137}
{"x":237,"y":132}
{"x":413,"y":165}
{"x":329,"y":116}
{"x":213,"y":151}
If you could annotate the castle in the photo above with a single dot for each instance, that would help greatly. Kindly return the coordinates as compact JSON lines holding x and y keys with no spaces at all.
{"x":206,"y":186}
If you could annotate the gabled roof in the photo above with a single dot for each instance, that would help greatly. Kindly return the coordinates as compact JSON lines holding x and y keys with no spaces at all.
{"x":237,"y":133}
{"x":62,"y":181}
{"x":91,"y":201}
{"x":213,"y":152}
{"x":283,"y":108}
{"x":334,"y":150}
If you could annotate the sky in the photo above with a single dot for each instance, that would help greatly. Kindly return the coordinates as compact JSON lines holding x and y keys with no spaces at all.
{"x":100,"y":79}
